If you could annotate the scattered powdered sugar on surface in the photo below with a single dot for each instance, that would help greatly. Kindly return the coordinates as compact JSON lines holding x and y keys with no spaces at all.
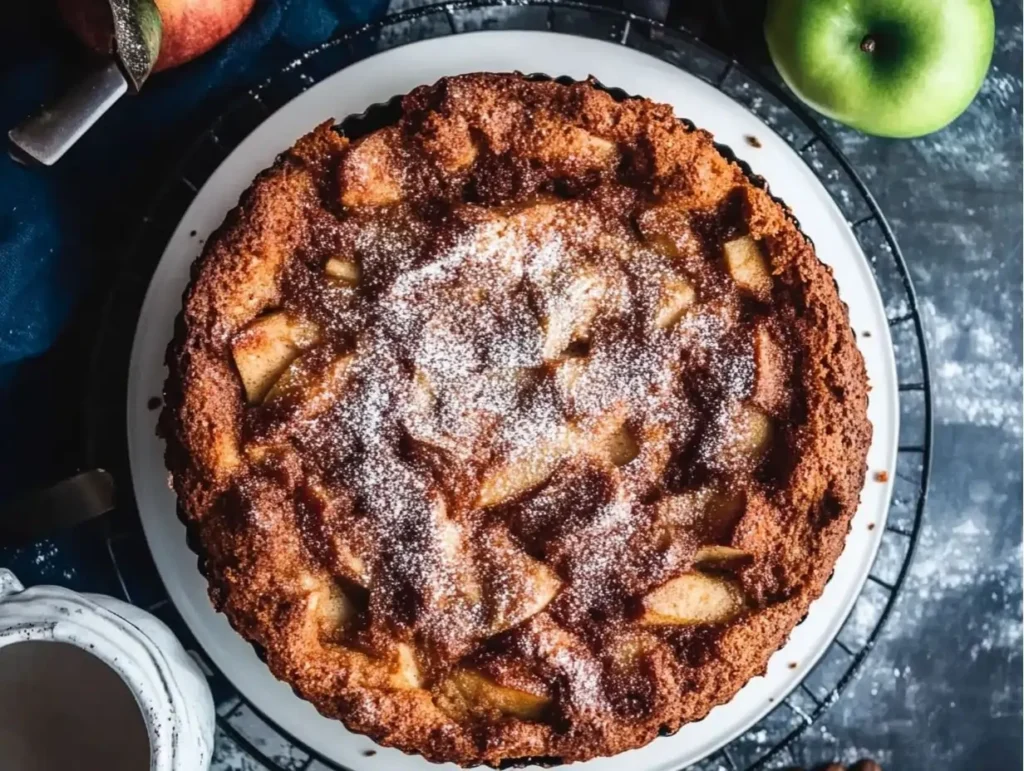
{"x":227,"y":754}
{"x":978,"y":373}
{"x":44,"y":552}
{"x":44,"y":559}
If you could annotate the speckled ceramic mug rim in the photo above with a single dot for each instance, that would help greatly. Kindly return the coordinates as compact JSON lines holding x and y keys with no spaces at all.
{"x":92,"y":624}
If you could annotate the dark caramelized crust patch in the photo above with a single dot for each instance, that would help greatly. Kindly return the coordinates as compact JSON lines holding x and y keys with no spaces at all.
{"x":526,"y":426}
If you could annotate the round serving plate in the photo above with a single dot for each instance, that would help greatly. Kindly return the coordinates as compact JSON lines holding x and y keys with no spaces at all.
{"x":396,"y":71}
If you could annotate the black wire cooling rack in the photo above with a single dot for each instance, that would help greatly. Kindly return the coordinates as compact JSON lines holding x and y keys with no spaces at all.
{"x":263,"y":744}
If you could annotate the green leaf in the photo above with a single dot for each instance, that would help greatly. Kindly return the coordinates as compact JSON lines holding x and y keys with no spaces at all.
{"x":137,"y":33}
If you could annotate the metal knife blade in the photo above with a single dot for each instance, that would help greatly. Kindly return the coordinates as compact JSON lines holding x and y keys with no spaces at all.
{"x":51,"y":132}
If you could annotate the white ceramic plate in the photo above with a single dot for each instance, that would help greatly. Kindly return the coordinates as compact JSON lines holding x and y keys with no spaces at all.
{"x":398,"y":71}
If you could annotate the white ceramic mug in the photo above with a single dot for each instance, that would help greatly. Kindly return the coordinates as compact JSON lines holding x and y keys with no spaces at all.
{"x":169,"y":689}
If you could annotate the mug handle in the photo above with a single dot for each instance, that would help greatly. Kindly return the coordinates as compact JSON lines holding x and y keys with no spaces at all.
{"x":71,"y":501}
{"x":9,"y":584}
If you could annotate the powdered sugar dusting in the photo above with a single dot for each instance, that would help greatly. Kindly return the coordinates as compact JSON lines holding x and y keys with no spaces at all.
{"x":504,"y":342}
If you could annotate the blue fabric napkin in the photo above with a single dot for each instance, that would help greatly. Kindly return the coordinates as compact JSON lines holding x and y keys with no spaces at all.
{"x":63,"y":228}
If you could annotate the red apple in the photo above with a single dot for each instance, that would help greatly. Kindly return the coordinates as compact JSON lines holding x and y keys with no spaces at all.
{"x":190,"y":27}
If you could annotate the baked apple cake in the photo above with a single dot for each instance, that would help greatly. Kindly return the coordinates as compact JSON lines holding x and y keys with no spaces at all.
{"x":523,"y":427}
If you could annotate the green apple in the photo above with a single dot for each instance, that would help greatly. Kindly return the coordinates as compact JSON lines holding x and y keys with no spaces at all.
{"x":896,"y":68}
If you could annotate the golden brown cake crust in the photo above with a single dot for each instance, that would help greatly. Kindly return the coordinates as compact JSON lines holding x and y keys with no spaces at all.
{"x":521,"y":270}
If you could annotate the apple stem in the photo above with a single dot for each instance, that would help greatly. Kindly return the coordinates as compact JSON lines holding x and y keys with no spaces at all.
{"x":867,"y":45}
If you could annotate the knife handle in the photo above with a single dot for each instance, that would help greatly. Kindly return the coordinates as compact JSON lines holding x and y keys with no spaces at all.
{"x":51,"y":132}
{"x":71,"y":501}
